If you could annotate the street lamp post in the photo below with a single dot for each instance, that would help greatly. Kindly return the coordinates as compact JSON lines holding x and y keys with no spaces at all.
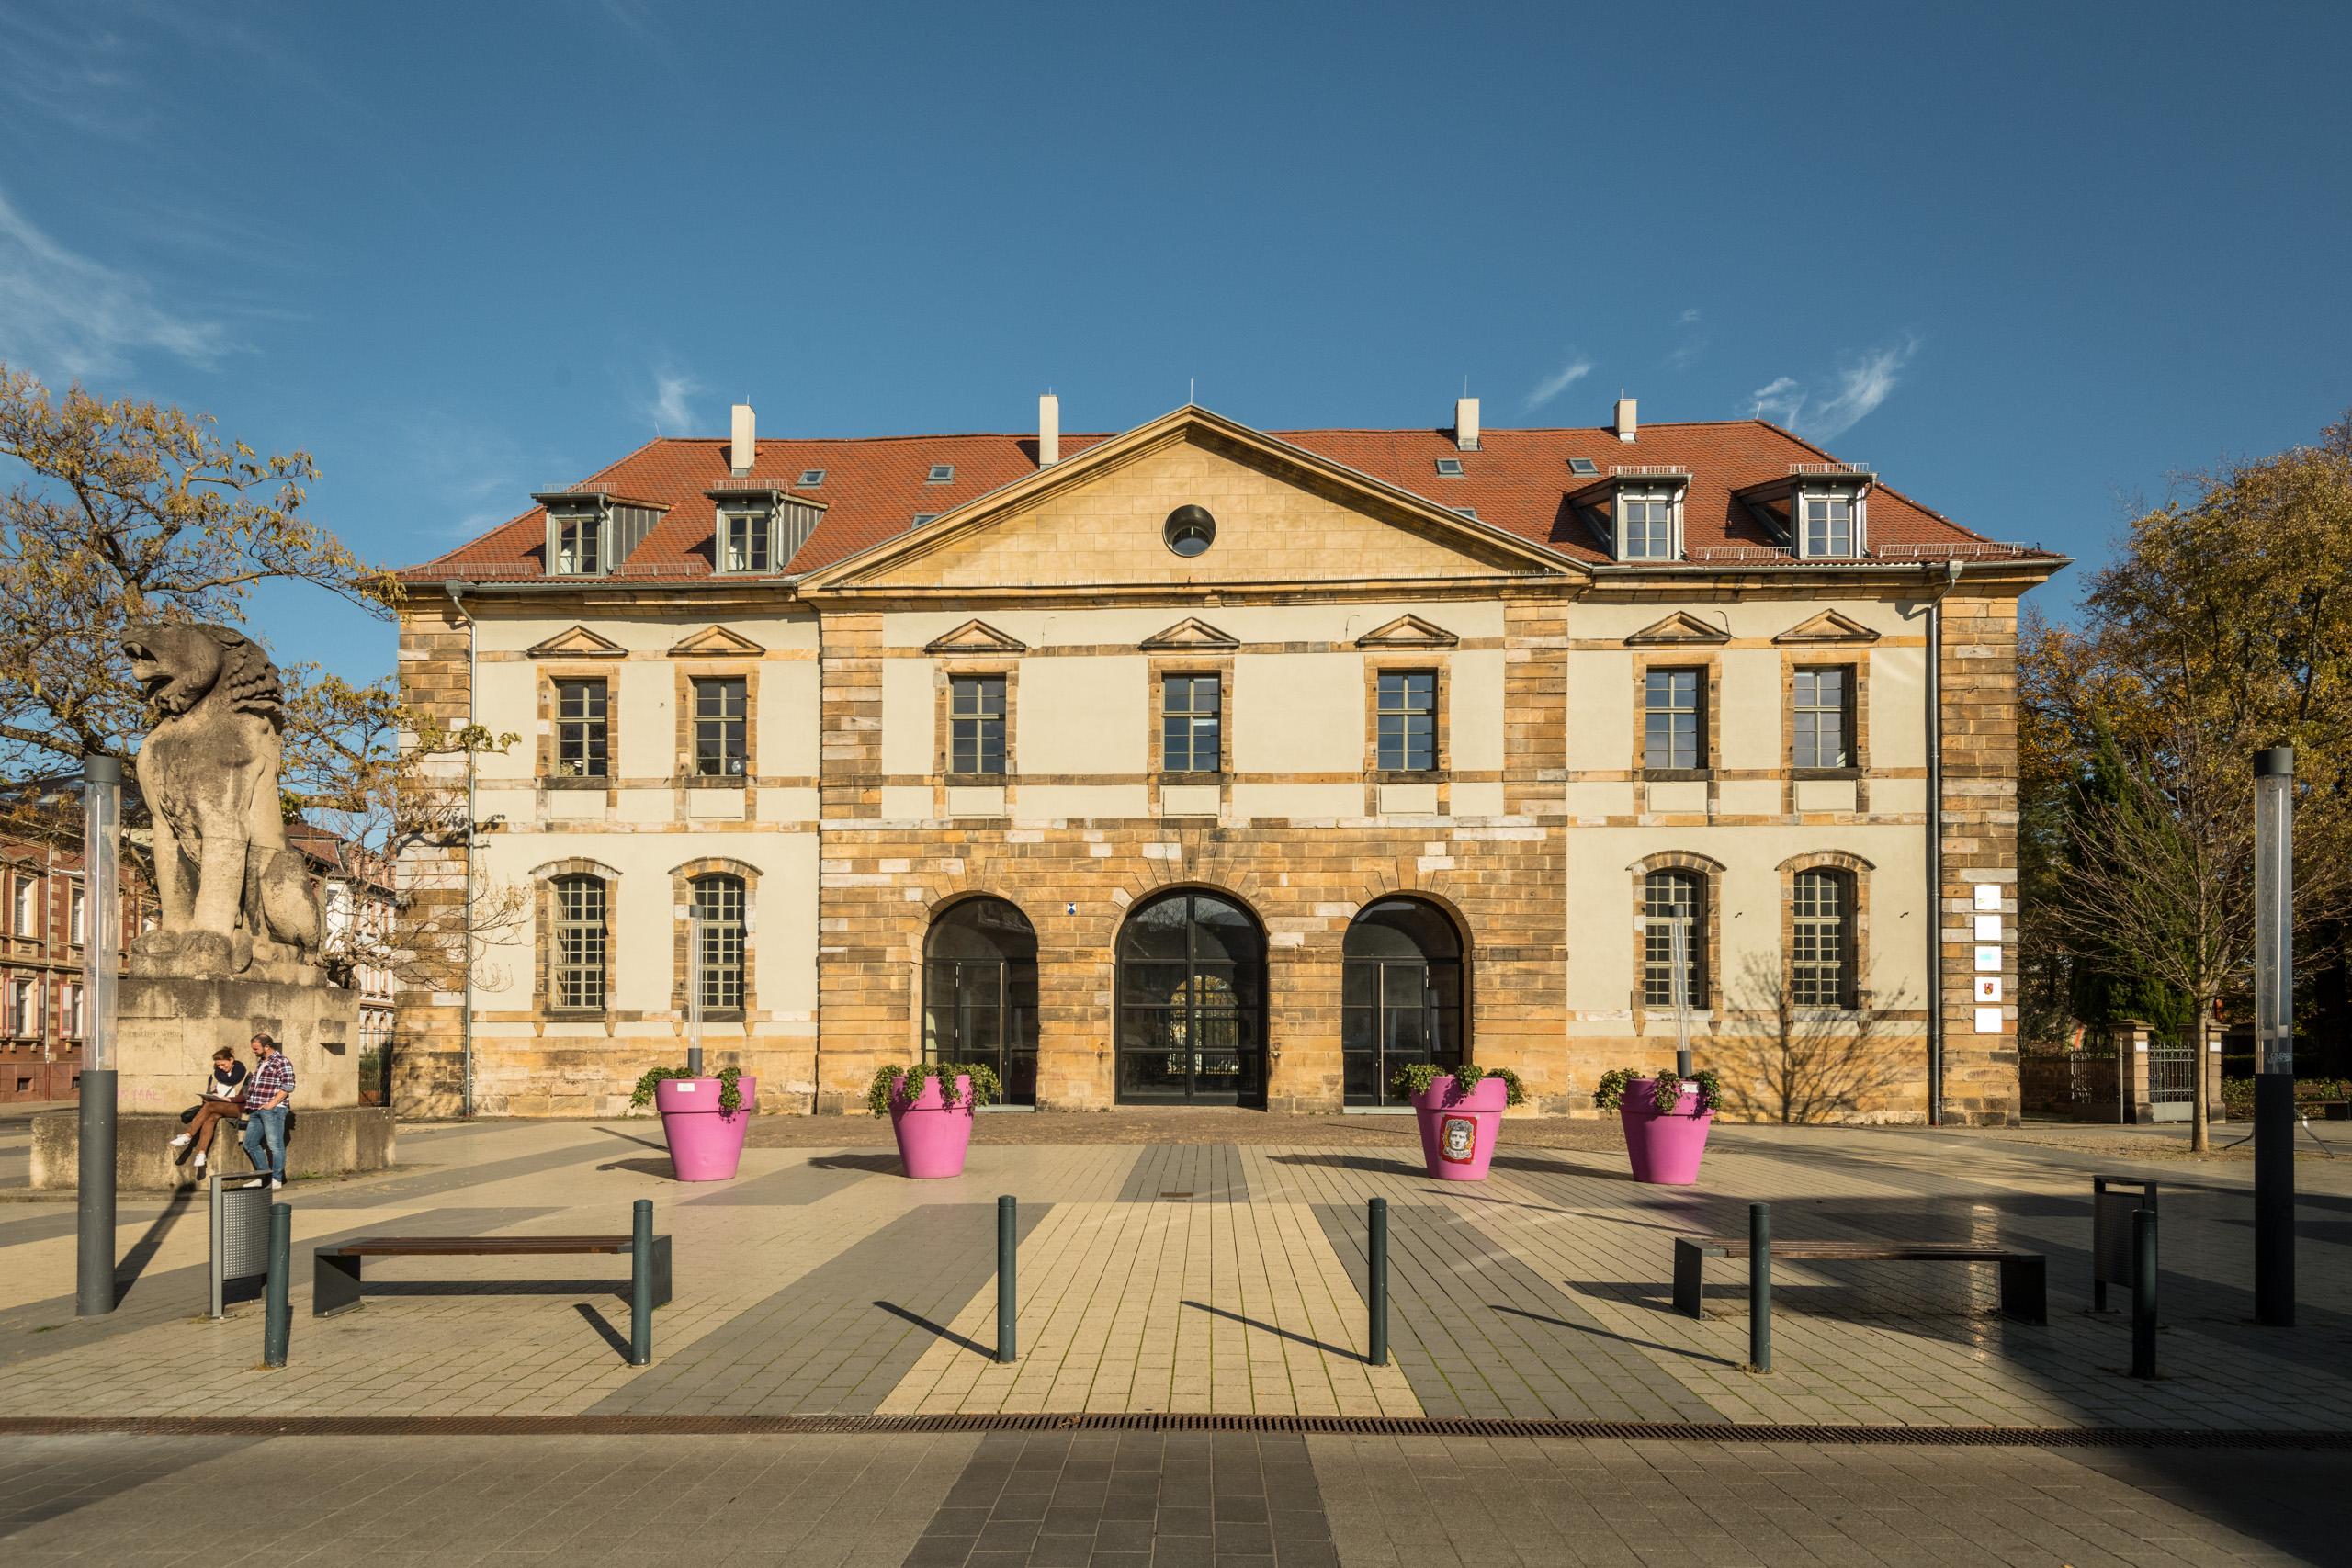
{"x":694,"y":994}
{"x":2274,"y":1037}
{"x":94,"y":1210}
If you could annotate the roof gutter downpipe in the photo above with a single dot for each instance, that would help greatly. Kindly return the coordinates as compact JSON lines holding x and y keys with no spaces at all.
{"x":466,"y":953}
{"x":1952,"y":571}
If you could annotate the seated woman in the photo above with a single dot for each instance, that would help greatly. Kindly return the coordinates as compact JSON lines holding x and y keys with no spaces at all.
{"x":224,"y":1096}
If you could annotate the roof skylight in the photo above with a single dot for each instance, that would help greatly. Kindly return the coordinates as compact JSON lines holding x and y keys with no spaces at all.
{"x":1449,"y":468}
{"x":940,"y":473}
{"x":812,"y":478}
{"x":924,"y":517}
{"x":1583,"y":468}
{"x":1469,"y":512}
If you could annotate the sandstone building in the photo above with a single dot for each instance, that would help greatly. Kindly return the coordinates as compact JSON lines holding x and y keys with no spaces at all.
{"x":1203,"y":765}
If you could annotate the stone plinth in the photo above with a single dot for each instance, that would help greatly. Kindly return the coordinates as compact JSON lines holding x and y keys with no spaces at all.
{"x":165,"y":1033}
{"x":326,"y":1141}
{"x":168,"y":1029}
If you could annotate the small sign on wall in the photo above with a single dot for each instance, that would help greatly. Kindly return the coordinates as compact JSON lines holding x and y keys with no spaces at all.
{"x":1988,"y":958}
{"x":1988,"y":987}
{"x":1988,"y":1020}
{"x":1989,"y":928}
{"x":1989,"y":895}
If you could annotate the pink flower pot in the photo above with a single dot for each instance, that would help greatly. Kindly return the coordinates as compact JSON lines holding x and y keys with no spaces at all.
{"x":932,"y":1134}
{"x":705,"y":1143}
{"x":1458,"y":1130}
{"x":1664,"y":1150}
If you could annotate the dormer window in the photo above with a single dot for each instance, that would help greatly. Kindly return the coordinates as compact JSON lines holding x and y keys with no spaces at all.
{"x":1637,"y":511}
{"x":746,"y":540}
{"x":1832,"y":524}
{"x":576,"y":544}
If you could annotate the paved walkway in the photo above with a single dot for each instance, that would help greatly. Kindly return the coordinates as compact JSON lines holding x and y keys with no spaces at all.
{"x":1204,"y":1276}
{"x":1151,"y":1501}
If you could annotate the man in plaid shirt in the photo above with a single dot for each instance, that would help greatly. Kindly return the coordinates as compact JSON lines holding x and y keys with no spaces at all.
{"x":268,"y":1094}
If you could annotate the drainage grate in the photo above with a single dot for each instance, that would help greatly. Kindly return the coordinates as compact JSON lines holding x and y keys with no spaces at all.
{"x":1162,"y":1421}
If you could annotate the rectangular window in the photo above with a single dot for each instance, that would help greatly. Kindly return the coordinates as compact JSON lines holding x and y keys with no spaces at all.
{"x":70,"y":1011}
{"x":717,"y":910}
{"x":581,"y":742}
{"x":579,"y":979}
{"x":24,"y":1008}
{"x":1407,"y":718}
{"x":1674,"y":727}
{"x":721,"y":726}
{"x":1820,"y":963}
{"x":1191,"y":709}
{"x":76,"y":919}
{"x":576,"y":546}
{"x":1647,"y":524}
{"x":1823,"y":718}
{"x":744,"y":545}
{"x":28,"y":906}
{"x":975,"y":724}
{"x":1829,"y":525}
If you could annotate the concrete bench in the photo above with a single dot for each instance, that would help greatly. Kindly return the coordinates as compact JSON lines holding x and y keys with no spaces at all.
{"x":336,"y":1279}
{"x":2024,"y":1277}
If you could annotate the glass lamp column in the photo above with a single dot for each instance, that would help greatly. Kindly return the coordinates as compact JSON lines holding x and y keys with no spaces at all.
{"x":101,"y":958}
{"x":2274,"y":1037}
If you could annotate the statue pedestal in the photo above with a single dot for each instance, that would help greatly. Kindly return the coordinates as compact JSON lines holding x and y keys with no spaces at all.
{"x":166,"y":1030}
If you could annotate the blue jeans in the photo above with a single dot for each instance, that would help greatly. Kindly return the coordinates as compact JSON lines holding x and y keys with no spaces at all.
{"x":266,"y":1142}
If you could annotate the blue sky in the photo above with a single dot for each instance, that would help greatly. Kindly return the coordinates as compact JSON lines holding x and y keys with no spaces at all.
{"x":2026,"y":260}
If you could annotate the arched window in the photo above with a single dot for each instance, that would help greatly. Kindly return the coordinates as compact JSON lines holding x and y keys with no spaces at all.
{"x":979,"y":992}
{"x":1821,"y":941}
{"x":714,"y":912}
{"x":1400,"y":996}
{"x":1674,"y":913}
{"x":576,"y":974}
{"x":1191,"y":969}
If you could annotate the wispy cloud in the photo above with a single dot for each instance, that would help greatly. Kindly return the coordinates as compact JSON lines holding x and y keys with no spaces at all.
{"x":1560,"y":380}
{"x":62,"y":314}
{"x":668,"y":406}
{"x":60,"y":67}
{"x":1864,"y":382}
{"x":1691,"y":344}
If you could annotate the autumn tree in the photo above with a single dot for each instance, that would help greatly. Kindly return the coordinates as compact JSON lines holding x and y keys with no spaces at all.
{"x":129,"y":511}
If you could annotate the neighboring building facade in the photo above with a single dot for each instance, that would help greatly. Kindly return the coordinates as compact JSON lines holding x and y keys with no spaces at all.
{"x":358,"y":926}
{"x":1197,"y":764}
{"x":44,"y":1002}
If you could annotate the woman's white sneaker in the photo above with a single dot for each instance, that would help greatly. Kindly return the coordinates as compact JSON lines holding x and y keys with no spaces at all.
{"x":183,"y":1140}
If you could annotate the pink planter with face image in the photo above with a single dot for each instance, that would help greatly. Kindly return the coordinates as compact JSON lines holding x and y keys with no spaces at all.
{"x":1458,"y":1130}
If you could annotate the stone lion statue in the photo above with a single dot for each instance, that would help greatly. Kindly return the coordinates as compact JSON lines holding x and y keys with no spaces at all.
{"x":234,"y":896}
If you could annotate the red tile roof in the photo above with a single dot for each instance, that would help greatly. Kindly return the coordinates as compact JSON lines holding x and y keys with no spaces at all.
{"x":1518,"y":481}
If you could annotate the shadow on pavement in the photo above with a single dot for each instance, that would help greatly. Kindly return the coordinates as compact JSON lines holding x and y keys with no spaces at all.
{"x":1277,"y":1333}
{"x":142,"y":1251}
{"x":604,"y":1327}
{"x":887,"y":1165}
{"x":1605,"y":1334}
{"x":642,"y":1167}
{"x":947,"y":1333}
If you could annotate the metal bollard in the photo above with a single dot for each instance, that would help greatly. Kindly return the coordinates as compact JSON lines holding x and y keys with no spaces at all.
{"x":1376,"y":1251}
{"x":1007,"y":1300}
{"x":2144,"y":1293}
{"x":641,"y":1284}
{"x":1760,"y":1287}
{"x":278,"y":1315}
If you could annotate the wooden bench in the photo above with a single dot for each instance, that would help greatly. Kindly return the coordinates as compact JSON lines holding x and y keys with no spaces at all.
{"x":334,"y":1276}
{"x":2024,"y":1292}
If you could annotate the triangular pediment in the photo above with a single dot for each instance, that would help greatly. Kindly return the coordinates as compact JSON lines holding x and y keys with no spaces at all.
{"x":1679,"y":628}
{"x":716,"y":642}
{"x":1190,"y":632}
{"x":976,"y":636}
{"x":579,"y":642}
{"x":1828,"y":626}
{"x":1100,"y":519}
{"x":1407,"y":631}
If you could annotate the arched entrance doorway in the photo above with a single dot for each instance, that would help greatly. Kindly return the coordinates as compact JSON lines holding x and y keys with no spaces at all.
{"x":979,"y":992}
{"x":1192,"y":979}
{"x":1400,"y":996}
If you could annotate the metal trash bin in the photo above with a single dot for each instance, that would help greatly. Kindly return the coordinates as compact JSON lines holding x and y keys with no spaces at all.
{"x":240,"y":1236}
{"x":2112,"y":1205}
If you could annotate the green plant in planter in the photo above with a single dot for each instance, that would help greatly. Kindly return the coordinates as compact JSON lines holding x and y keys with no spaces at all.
{"x":986,"y":1089}
{"x":1415,"y":1079}
{"x":730,"y":1092}
{"x":1665,"y":1089}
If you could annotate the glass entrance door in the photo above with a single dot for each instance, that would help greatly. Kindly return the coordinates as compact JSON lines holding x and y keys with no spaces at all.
{"x":1192,"y":1008}
{"x":1401,"y":998}
{"x":980,"y":993}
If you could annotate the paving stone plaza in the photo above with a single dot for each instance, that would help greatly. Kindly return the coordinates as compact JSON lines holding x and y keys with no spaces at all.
{"x":483,"y":1409}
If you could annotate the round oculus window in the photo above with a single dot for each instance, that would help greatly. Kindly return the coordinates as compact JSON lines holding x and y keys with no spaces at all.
{"x":1189,"y":530}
